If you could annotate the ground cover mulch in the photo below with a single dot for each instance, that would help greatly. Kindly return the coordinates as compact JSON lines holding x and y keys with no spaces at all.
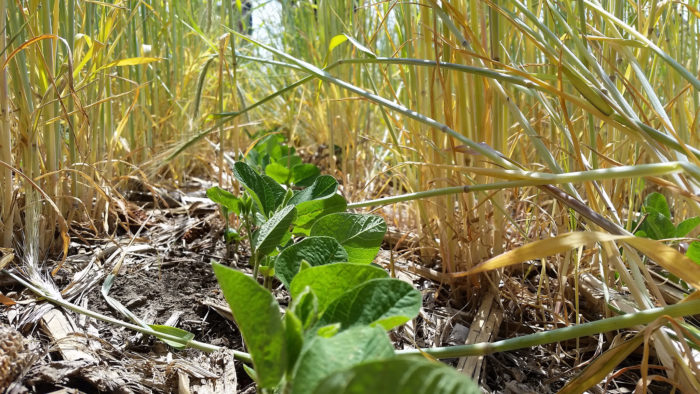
{"x":165,"y":277}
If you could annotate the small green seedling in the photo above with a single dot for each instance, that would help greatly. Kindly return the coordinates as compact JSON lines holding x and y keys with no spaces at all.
{"x":274,"y":158}
{"x":333,"y":336}
{"x":657,"y":224}
{"x":270,"y":214}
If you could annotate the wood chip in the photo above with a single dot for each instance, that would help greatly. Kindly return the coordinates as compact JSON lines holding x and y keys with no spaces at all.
{"x":484,"y":328}
{"x":63,"y":332}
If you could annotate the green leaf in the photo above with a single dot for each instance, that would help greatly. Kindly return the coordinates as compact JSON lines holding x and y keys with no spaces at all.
{"x":266,"y":270}
{"x":385,"y":302}
{"x":658,"y":226}
{"x":232,"y":235}
{"x":330,"y":281}
{"x":328,"y":331}
{"x":289,"y":161}
{"x":294,"y":337}
{"x":398,"y":376}
{"x":325,"y":356}
{"x":309,"y":212}
{"x":324,"y":186}
{"x":276,"y":192}
{"x":336,"y":40}
{"x":360,"y":235}
{"x":250,"y":372}
{"x":174,"y":331}
{"x":693,"y":252}
{"x":305,"y":307}
{"x":315,"y":250}
{"x":258,"y":317}
{"x":287,"y":196}
{"x":225,"y":198}
{"x":253,"y":159}
{"x":687,"y":226}
{"x":132,"y":61}
{"x":278,"y":172}
{"x":275,"y":148}
{"x":266,"y":193}
{"x":641,"y":233}
{"x":273,"y":231}
{"x":304,"y":174}
{"x":656,"y":202}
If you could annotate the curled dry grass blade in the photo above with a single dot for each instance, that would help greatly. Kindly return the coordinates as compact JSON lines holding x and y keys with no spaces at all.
{"x":666,"y":256}
{"x":602,"y":366}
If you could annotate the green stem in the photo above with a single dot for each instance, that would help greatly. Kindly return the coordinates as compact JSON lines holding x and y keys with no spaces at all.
{"x":562,"y":334}
{"x":437,"y":192}
{"x":267,"y":282}
{"x":226,"y":242}
{"x":657,"y":135}
{"x":539,"y":178}
{"x":256,"y":264}
{"x":6,"y":214}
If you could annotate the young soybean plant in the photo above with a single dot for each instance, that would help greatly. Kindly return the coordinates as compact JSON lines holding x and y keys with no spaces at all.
{"x":274,"y":158}
{"x":333,"y":336}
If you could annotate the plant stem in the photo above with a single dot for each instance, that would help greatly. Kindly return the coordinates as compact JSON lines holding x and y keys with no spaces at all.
{"x":5,"y":142}
{"x":256,"y":263}
{"x":226,"y":242}
{"x":536,"y":179}
{"x":562,"y":334}
{"x":437,"y":192}
{"x":267,"y":282}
